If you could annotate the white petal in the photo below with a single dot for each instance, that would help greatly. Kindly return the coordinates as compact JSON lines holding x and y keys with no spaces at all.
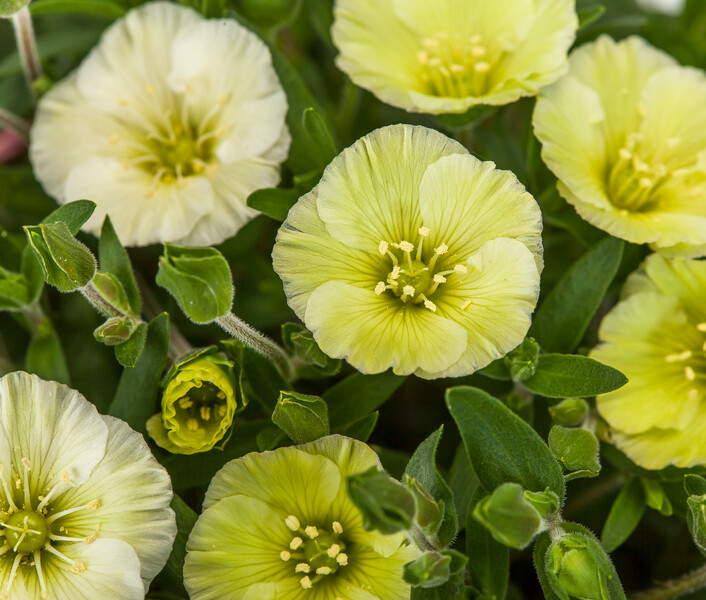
{"x":134,"y":492}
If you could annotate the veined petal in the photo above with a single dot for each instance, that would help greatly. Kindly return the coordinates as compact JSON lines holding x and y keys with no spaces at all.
{"x":375,"y":333}
{"x":370,"y":192}
{"x":681,"y":279}
{"x":306,"y":256}
{"x":288,"y":480}
{"x":502,"y":285}
{"x":227,"y":555}
{"x":52,"y":426}
{"x":465,"y":203}
{"x":142,"y":211}
{"x":381,"y":577}
{"x":134,"y":491}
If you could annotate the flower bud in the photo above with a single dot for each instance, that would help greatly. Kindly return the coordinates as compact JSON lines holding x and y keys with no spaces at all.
{"x":303,"y":418}
{"x":522,"y":361}
{"x":429,"y":513}
{"x":115,"y":330}
{"x":198,"y":405}
{"x":569,"y":412}
{"x":696,"y":513}
{"x":112,"y":291}
{"x":433,"y":569}
{"x":10,"y":7}
{"x":579,"y":567}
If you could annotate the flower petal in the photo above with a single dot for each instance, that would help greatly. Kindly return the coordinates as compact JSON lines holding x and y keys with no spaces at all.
{"x":381,"y":577}
{"x":226,"y":555}
{"x":53,"y":426}
{"x":288,"y":480}
{"x":370,"y":191}
{"x":134,"y":491}
{"x":375,"y":333}
{"x":466,"y":203}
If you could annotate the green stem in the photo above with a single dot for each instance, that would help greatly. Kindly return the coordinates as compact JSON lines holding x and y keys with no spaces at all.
{"x":91,"y":294}
{"x":691,"y":582}
{"x":263,"y":345}
{"x":27,"y":46}
{"x":13,"y":123}
{"x":422,"y":540}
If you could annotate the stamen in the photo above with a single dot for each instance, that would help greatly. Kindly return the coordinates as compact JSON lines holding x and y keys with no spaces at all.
{"x":323,"y":571}
{"x":79,"y":567}
{"x":380,"y":288}
{"x":334,"y":550}
{"x":92,"y":505}
{"x":306,"y":582}
{"x":296,"y":543}
{"x":438,"y":278}
{"x":395,"y":272}
{"x":482,"y":67}
{"x":424,"y":231}
{"x":27,"y":468}
{"x":311,"y":531}
{"x":13,"y":571}
{"x":461,"y":269}
{"x":285,"y":555}
{"x":342,"y":559}
{"x":47,"y":498}
{"x":408,"y":290}
{"x":337,"y":527}
{"x":292,"y":522}
{"x":430,"y":305}
{"x":693,"y":395}
{"x":383,"y":247}
{"x":701,"y":327}
{"x":6,"y":489}
{"x":221,"y":395}
{"x":466,"y":304}
{"x":406,"y":246}
{"x":625,"y":154}
{"x":302,"y":568}
{"x":185,"y":402}
{"x":37,"y":555}
{"x":205,"y":413}
{"x":689,"y":373}
{"x":58,"y":554}
{"x":192,"y":424}
{"x":442,"y":249}
{"x":670,"y":358}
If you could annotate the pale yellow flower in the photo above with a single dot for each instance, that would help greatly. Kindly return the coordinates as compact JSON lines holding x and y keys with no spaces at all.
{"x":656,"y":335}
{"x":625,"y":133}
{"x":445,"y":56}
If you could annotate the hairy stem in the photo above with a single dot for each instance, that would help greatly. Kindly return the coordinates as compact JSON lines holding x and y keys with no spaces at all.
{"x":13,"y":123}
{"x":691,"y":582}
{"x":27,"y":46}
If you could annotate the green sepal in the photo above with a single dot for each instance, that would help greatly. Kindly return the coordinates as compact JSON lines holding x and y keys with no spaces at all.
{"x":433,"y":569}
{"x":67,"y":263}
{"x":199,"y":279}
{"x":576,"y":450}
{"x":314,"y":364}
{"x":570,"y":412}
{"x":129,"y":352}
{"x":522,"y":361}
{"x":547,"y":502}
{"x":303,"y":418}
{"x":320,"y":135}
{"x":656,"y":496}
{"x":509,"y":517}
{"x":112,"y":291}
{"x":428,"y":513}
{"x":385,"y":504}
{"x":73,"y":214}
{"x":695,"y":486}
{"x":273,"y":202}
{"x":115,"y":331}
{"x":590,"y":14}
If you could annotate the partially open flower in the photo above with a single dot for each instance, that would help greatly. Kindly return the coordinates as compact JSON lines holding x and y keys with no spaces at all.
{"x":625,"y":133}
{"x":656,"y":335}
{"x":84,"y":506}
{"x":412,"y":254}
{"x":296,"y":535}
{"x":198,"y":405}
{"x":446,"y":56}
{"x":168,"y":125}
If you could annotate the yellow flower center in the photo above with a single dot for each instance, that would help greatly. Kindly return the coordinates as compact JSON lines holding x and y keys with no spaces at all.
{"x":203,"y":407}
{"x":29,"y":526}
{"x":411,"y":278}
{"x":454,"y":66}
{"x":315,"y":553}
{"x":692,"y":361}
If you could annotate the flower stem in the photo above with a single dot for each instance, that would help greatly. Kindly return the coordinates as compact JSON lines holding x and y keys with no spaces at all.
{"x":263,"y":345}
{"x":691,"y":582}
{"x":91,"y":294}
{"x":13,"y":123}
{"x":27,"y":46}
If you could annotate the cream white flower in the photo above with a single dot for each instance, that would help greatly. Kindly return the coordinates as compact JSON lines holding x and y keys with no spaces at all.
{"x":168,"y":125}
{"x":84,"y":506}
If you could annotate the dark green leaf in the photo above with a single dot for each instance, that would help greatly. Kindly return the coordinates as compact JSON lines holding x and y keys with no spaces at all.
{"x":129,"y":352}
{"x":358,"y":395}
{"x":569,"y":376}
{"x":263,"y":378}
{"x":561,"y":320}
{"x":453,"y":589}
{"x":320,"y":136}
{"x":422,"y":467}
{"x":137,"y":391}
{"x":274,"y":202}
{"x":501,"y":446}
{"x":185,"y":521}
{"x":488,"y":559}
{"x":694,"y":485}
{"x":303,"y":418}
{"x":463,"y":482}
{"x":113,"y":259}
{"x":73,"y":215}
{"x":45,"y":356}
{"x":100,"y":8}
{"x":624,"y":516}
{"x":590,"y":14}
{"x":363,"y":428}
{"x":576,"y":449}
{"x":314,"y":364}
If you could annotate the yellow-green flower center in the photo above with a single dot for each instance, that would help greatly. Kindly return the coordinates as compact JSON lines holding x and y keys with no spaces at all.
{"x":203,"y":407}
{"x":412,"y":279}
{"x":454,"y":66}
{"x":315,"y":553}
{"x":26,"y":531}
{"x":692,"y":360}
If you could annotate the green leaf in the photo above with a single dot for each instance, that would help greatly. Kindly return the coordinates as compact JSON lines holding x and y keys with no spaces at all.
{"x":590,"y":14}
{"x":624,"y":516}
{"x":273,"y":202}
{"x":422,"y":467}
{"x":113,"y":259}
{"x":694,"y":485}
{"x":433,"y":569}
{"x":320,"y":136}
{"x":74,"y":214}
{"x":656,"y":496}
{"x":32,"y":271}
{"x":463,"y":482}
{"x":14,"y":291}
{"x":66,"y":263}
{"x":573,"y":376}
{"x":45,"y":357}
{"x":100,"y":8}
{"x":303,"y":418}
{"x":263,"y":378}
{"x":571,"y":411}
{"x":300,"y":342}
{"x":576,"y":449}
{"x":185,"y":521}
{"x":488,"y":559}
{"x":561,"y":320}
{"x":358,"y":395}
{"x":130,"y":351}
{"x":500,"y":445}
{"x":453,"y":589}
{"x":136,"y":395}
{"x":267,"y":13}
{"x":363,"y":428}
{"x":199,"y":279}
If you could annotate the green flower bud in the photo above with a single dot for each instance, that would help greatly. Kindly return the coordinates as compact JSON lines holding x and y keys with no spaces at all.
{"x":112,"y":291}
{"x":303,"y":418}
{"x":509,"y":517}
{"x":67,"y":263}
{"x":576,"y":449}
{"x":569,"y":412}
{"x":267,"y":13}
{"x":312,"y":362}
{"x":115,"y":330}
{"x":522,"y":361}
{"x":199,"y":279}
{"x":546,"y":502}
{"x":385,"y":504}
{"x":696,"y":510}
{"x":429,"y":513}
{"x":10,"y":7}
{"x":433,"y":569}
{"x":579,"y":567}
{"x":198,"y":405}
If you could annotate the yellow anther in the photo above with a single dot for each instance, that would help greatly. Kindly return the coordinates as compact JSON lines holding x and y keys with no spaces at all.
{"x":408,"y":290}
{"x":701,"y":327}
{"x":479,"y":51}
{"x":296,"y":543}
{"x":306,"y":582}
{"x":334,"y":551}
{"x":93,"y":504}
{"x":192,"y":424}
{"x":693,"y":395}
{"x":645,"y":182}
{"x":395,"y":272}
{"x":302,"y":568}
{"x":205,"y":413}
{"x":337,"y":527}
{"x":466,"y":304}
{"x":476,"y":39}
{"x":424,"y":231}
{"x":78,"y":567}
{"x":342,"y":559}
{"x":430,"y":305}
{"x":221,"y":395}
{"x":221,"y":410}
{"x":461,"y":269}
{"x":442,"y":249}
{"x":406,"y":246}
{"x":383,"y":247}
{"x":423,"y":57}
{"x":292,"y":522}
{"x":90,"y":539}
{"x":439,"y":279}
{"x":457,"y":68}
{"x":673,"y":142}
{"x":380,"y":288}
{"x":285,"y":555}
{"x":482,"y":67}
{"x":670,"y":358}
{"x":625,"y":154}
{"x":27,"y":464}
{"x":311,"y":531}
{"x":185,"y":402}
{"x":323,"y":571}
{"x":689,"y":373}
